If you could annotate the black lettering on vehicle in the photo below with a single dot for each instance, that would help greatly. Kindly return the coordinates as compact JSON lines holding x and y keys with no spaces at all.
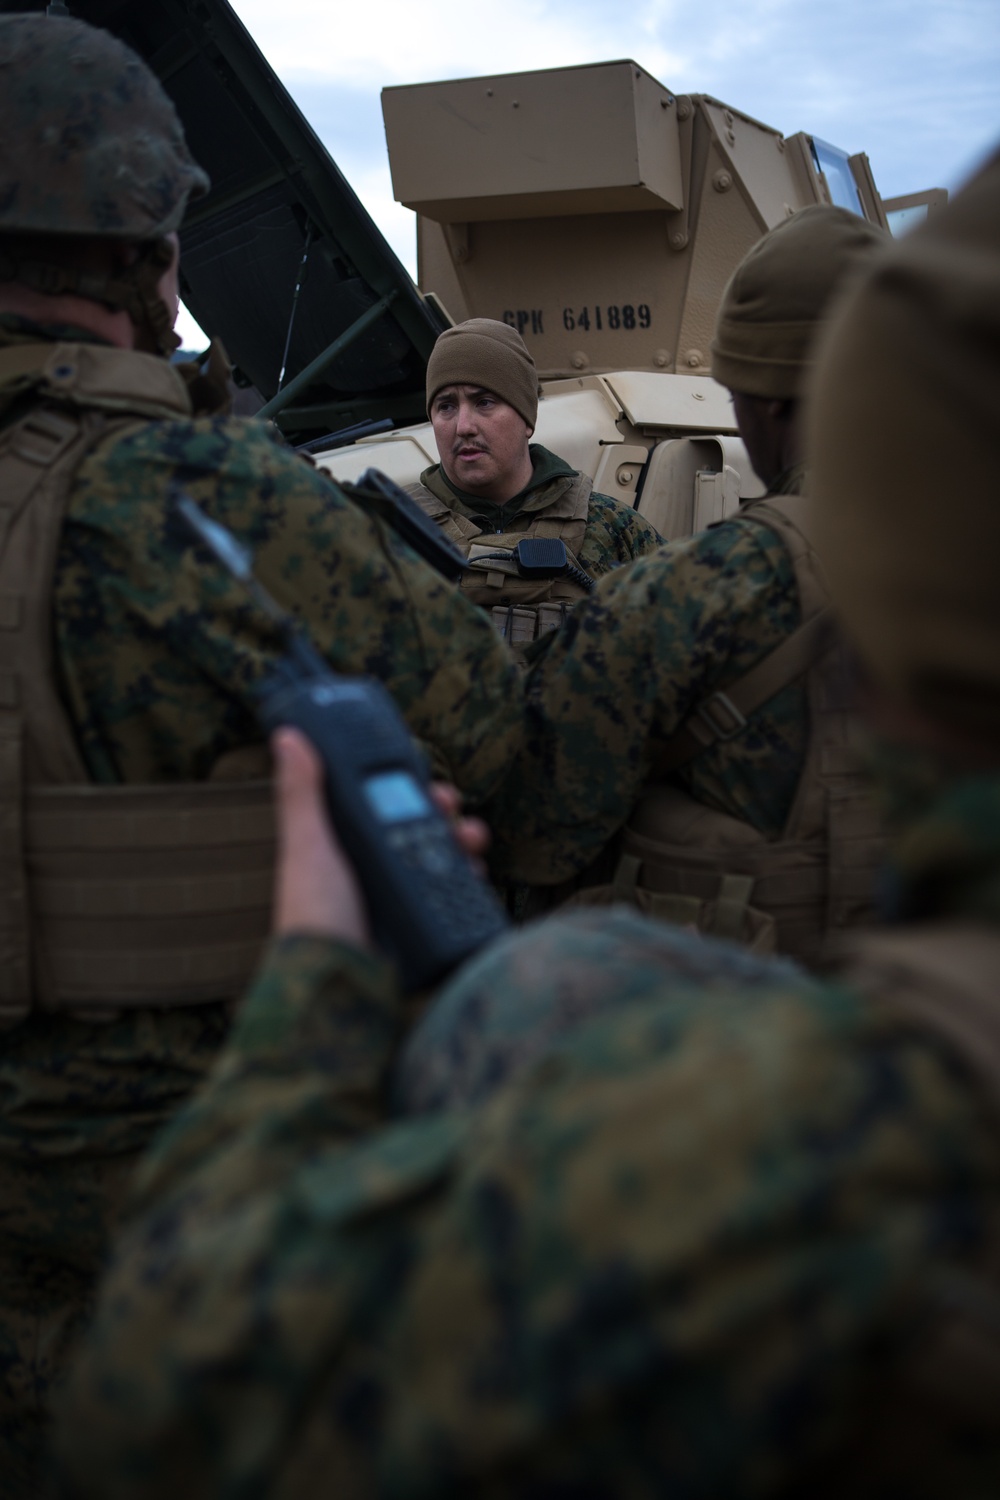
{"x":536,"y":320}
{"x":619,"y":316}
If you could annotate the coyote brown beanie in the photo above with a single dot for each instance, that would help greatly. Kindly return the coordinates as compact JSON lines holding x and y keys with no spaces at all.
{"x":903,"y":443}
{"x":780,"y":292}
{"x":493,"y":355}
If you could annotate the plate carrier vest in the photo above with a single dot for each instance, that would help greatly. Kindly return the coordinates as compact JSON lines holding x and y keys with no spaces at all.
{"x":110,"y":897}
{"x":685,"y":862}
{"x":521,"y":608}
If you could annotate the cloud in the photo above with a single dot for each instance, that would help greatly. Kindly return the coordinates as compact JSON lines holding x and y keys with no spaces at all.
{"x":396,"y":41}
{"x":910,"y":82}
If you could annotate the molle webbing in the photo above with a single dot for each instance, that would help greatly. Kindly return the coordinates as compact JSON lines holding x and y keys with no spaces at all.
{"x":521,"y":608}
{"x":148,"y":895}
{"x":109,"y":896}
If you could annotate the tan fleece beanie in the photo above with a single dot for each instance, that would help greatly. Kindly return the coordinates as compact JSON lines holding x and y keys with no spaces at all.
{"x":904,"y":443}
{"x":780,"y":292}
{"x":487,"y":353}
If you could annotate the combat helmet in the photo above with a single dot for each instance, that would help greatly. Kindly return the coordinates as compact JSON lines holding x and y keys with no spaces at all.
{"x":92,"y":146}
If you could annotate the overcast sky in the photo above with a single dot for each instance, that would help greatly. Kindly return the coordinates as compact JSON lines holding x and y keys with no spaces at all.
{"x":914,"y":83}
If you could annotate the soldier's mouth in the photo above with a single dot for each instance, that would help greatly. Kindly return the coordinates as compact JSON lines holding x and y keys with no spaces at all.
{"x":470,"y":452}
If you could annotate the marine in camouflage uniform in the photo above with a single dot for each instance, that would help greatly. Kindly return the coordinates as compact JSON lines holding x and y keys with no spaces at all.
{"x":691,"y":1251}
{"x":156,"y":653}
{"x":493,"y":490}
{"x":647,"y":697}
{"x":698,"y":1224}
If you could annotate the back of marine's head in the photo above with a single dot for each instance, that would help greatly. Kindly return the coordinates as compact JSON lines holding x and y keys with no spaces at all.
{"x":903,"y":439}
{"x":779,"y":296}
{"x":92,"y":147}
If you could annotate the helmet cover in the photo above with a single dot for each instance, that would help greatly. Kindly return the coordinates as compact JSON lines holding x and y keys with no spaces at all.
{"x":90,"y":144}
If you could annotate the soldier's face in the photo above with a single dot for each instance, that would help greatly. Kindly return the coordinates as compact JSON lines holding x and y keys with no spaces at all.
{"x":483,"y":442}
{"x":764,"y":426}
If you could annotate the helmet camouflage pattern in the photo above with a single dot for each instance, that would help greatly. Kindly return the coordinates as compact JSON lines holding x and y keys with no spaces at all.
{"x":90,"y":144}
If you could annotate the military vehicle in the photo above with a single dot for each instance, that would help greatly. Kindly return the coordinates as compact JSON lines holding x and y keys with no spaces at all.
{"x":602,"y":215}
{"x":590,"y":207}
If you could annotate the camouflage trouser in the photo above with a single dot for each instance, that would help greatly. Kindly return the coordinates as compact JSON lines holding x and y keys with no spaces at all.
{"x":56,"y":1215}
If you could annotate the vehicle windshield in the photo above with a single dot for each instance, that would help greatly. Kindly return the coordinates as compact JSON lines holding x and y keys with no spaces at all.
{"x":833,"y":163}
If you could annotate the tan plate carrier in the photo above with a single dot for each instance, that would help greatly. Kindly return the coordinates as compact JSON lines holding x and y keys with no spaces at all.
{"x":529,"y":608}
{"x":110,"y":897}
{"x":688,"y":863}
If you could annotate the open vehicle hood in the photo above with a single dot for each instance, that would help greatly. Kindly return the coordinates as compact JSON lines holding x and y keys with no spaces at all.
{"x":277,"y":198}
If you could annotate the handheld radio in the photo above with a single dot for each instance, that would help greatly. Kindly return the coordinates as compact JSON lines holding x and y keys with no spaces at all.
{"x":428,"y":905}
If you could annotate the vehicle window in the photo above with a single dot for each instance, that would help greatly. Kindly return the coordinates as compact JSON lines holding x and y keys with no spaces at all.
{"x":833,"y":163}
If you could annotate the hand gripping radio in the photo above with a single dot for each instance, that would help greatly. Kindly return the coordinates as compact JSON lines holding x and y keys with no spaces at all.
{"x":429,"y":906}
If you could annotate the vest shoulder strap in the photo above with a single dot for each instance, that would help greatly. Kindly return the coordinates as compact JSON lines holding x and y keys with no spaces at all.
{"x":459,"y":528}
{"x":722,"y":715}
{"x":96,"y":376}
{"x":790,"y":511}
{"x":39,"y":456}
{"x":566,"y":518}
{"x":789,"y":516}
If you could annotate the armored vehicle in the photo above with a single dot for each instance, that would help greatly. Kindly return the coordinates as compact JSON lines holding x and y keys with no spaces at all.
{"x":590,"y":207}
{"x":601,"y":215}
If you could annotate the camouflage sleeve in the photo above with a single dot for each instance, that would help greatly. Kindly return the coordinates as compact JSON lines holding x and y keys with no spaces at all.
{"x":616,"y":534}
{"x":608,"y":690}
{"x":159,"y":651}
{"x":682,"y":1255}
{"x":315,"y":1034}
